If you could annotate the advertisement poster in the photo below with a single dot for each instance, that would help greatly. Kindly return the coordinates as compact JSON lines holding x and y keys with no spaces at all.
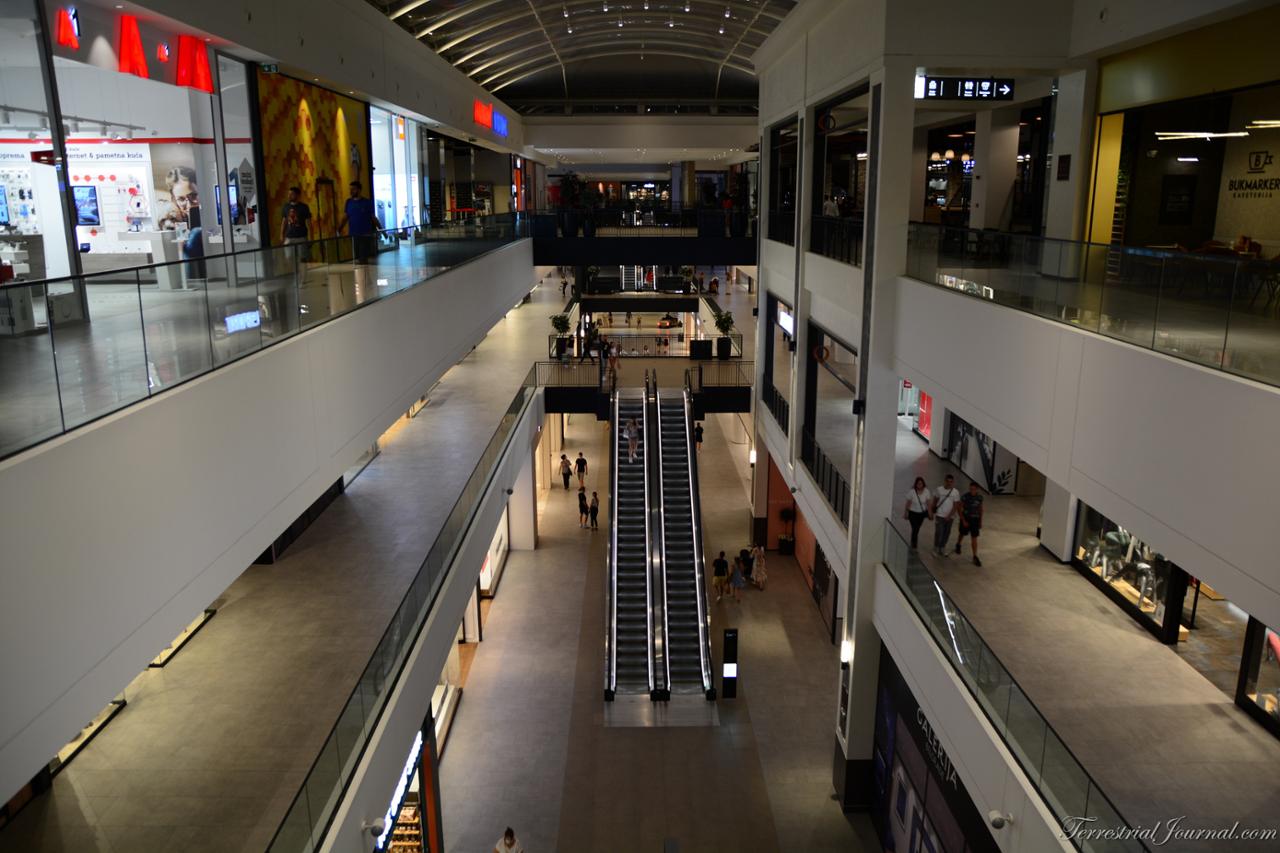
{"x":924,"y":415}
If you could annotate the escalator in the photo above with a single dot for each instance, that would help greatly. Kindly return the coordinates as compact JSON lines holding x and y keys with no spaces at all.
{"x":630,"y":662}
{"x":686,"y":653}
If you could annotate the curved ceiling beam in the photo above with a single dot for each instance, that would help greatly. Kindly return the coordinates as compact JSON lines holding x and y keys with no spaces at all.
{"x":637,"y":51}
{"x":591,"y":13}
{"x":406,"y":8}
{"x":645,"y":46}
{"x":729,"y":55}
{"x":455,"y":16}
{"x":663,"y":35}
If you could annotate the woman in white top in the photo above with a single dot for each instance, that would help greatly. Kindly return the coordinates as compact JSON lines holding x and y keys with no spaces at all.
{"x":916,"y":509}
{"x":633,"y":439}
{"x":758,"y":574}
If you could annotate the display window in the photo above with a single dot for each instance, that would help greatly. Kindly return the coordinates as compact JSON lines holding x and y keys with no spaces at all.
{"x":397,"y":190}
{"x":919,"y":803}
{"x":923,"y":420}
{"x":1259,"y":686}
{"x":236,"y":104}
{"x":410,"y":824}
{"x":496,"y":558}
{"x":1134,"y":574}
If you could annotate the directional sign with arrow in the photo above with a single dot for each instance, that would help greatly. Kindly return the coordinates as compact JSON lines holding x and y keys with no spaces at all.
{"x":968,"y":89}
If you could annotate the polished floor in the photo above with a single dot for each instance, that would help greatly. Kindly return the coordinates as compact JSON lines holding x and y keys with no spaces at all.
{"x":211,"y":750}
{"x":535,"y":747}
{"x":1160,"y":739}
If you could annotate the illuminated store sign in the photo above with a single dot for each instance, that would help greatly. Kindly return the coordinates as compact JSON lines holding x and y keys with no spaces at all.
{"x":243,"y":321}
{"x":134,"y":41}
{"x":487,"y":117}
{"x":402,"y":788}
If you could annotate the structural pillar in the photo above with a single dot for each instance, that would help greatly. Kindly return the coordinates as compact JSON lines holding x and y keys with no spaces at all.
{"x":995,"y":152}
{"x":891,"y":135}
{"x":689,"y":182}
{"x":522,"y":507}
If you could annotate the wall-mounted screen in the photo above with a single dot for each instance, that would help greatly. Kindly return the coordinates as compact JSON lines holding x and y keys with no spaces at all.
{"x":86,"y":199}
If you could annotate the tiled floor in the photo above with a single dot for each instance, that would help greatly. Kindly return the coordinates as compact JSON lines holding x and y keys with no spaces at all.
{"x":531,"y":747}
{"x":1158,"y":737}
{"x":212,"y":749}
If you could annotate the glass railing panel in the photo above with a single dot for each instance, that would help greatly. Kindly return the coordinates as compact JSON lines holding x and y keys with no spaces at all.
{"x":1063,"y":783}
{"x":276,"y":270}
{"x":234,"y":321}
{"x":177,"y":326}
{"x":1253,"y":334}
{"x":31,"y":410}
{"x":102,"y":365}
{"x":1131,"y":295}
{"x":295,"y":832}
{"x":1195,"y":303}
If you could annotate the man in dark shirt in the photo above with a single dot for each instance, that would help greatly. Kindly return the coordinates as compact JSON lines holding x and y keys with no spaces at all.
{"x":720,"y":572}
{"x":971,"y":520}
{"x":360,"y":223}
{"x":295,"y":219}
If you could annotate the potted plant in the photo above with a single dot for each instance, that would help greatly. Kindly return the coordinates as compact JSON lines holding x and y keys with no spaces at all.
{"x":560,"y":322}
{"x":787,"y":541}
{"x":724,"y":344}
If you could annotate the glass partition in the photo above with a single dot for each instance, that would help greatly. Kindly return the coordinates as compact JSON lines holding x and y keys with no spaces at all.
{"x":784,"y":173}
{"x":1062,"y":782}
{"x":840,"y":178}
{"x":1217,"y":310}
{"x":155,"y":326}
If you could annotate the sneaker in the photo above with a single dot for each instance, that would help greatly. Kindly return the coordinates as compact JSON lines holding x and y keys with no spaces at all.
{"x":977,"y":562}
{"x":957,"y":548}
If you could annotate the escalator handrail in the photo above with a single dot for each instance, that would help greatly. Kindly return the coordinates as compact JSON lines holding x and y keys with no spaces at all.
{"x":704,"y":611}
{"x":611,"y":635}
{"x":662,"y":543}
{"x":648,"y":568}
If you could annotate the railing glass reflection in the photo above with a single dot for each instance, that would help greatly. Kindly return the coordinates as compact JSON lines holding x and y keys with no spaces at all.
{"x":78,"y":348}
{"x":1063,"y":783}
{"x":1221,"y":310}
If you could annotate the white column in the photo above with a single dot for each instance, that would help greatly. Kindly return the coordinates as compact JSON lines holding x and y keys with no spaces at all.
{"x":995,"y":152}
{"x":919,"y":173}
{"x":522,"y":508}
{"x":874,"y":462}
{"x":1072,"y":137}
{"x":1058,"y":520}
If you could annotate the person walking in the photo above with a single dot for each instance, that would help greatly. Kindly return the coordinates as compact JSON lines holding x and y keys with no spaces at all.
{"x":633,"y":440}
{"x":584,"y":511}
{"x":748,"y":564}
{"x":737,"y":580}
{"x":971,"y":520}
{"x":595,"y":510}
{"x":508,"y":843}
{"x":916,"y":509}
{"x":580,"y":467}
{"x":946,"y":500}
{"x":758,"y":572}
{"x":719,"y":575}
{"x":697,"y":437}
{"x":566,"y":470}
{"x":295,"y":219}
{"x":628,"y":319}
{"x":360,"y":223}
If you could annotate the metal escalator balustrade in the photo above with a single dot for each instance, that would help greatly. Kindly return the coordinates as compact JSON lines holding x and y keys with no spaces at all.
{"x":631,"y":624}
{"x":687,"y":653}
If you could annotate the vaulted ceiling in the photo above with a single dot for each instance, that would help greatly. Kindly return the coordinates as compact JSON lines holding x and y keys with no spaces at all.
{"x":601,"y":56}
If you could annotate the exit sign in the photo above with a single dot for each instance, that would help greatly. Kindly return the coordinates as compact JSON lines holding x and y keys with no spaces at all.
{"x":968,"y":89}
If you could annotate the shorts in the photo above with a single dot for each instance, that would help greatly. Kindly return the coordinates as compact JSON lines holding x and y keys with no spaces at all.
{"x":970,"y":528}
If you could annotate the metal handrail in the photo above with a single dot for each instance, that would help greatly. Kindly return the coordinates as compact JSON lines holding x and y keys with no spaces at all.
{"x":393,"y":233}
{"x":699,"y":569}
{"x":648,"y":560}
{"x":662,"y":539}
{"x":611,"y":634}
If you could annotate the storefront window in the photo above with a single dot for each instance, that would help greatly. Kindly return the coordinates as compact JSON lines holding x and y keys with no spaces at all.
{"x":949,"y":182}
{"x":1150,"y":587}
{"x":1260,"y":681}
{"x":33,"y":219}
{"x":784,"y":166}
{"x":778,"y":360}
{"x":237,"y":130}
{"x":495,"y":559}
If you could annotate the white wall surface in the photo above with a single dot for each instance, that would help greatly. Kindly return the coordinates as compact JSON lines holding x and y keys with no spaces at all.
{"x":188,"y":488}
{"x":984,"y":764}
{"x":778,"y":271}
{"x":836,"y":290}
{"x":379,"y":769}
{"x":351,"y":44}
{"x":1105,"y":26}
{"x":640,"y":132}
{"x":1005,"y":32}
{"x":1179,"y":453}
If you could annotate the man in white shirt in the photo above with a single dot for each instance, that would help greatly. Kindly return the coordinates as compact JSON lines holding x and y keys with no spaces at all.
{"x":508,"y":843}
{"x":829,"y":207}
{"x":946,"y":502}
